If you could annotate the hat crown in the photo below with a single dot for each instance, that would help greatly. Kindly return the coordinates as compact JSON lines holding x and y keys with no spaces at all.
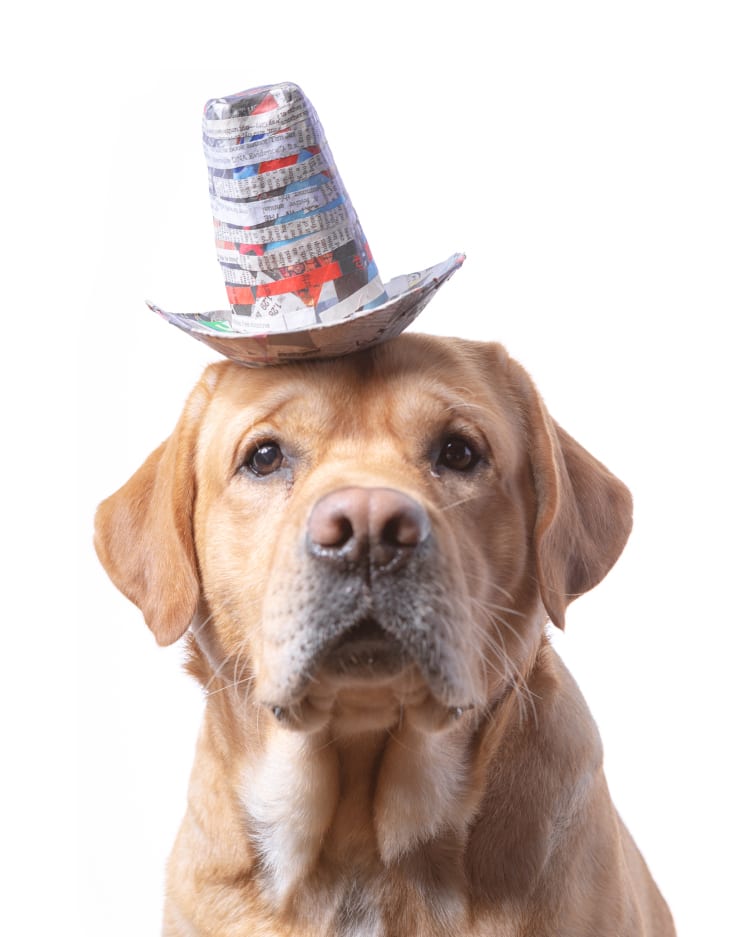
{"x":288,"y":239}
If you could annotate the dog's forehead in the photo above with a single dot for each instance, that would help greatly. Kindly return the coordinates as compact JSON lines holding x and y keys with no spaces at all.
{"x":404,"y":387}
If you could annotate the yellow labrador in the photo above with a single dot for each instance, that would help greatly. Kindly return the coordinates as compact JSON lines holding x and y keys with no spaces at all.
{"x":364,"y":554}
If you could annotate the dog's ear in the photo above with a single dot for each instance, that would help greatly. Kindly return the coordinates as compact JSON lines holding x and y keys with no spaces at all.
{"x":584,"y":513}
{"x":144,"y":531}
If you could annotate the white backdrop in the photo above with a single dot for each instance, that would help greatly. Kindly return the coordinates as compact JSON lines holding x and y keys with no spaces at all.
{"x":592,"y":161}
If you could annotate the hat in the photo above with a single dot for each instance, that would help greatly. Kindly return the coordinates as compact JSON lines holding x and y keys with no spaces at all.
{"x":299,"y":274}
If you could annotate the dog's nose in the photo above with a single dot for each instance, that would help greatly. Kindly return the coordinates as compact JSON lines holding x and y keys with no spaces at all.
{"x":377,"y":524}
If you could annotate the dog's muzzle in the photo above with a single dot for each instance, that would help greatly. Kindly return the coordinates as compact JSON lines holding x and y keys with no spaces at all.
{"x":369,"y":534}
{"x":366,"y":603}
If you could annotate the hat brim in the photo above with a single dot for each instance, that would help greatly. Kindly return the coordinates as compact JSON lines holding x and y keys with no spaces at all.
{"x":406,"y":298}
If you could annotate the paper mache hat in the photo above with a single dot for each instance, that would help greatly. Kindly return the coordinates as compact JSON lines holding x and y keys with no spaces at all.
{"x":299,"y":274}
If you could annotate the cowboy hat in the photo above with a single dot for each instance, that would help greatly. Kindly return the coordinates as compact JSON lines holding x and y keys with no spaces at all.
{"x":299,"y":274}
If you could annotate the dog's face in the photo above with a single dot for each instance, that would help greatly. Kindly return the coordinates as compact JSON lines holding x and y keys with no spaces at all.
{"x":359,"y":537}
{"x":357,"y":526}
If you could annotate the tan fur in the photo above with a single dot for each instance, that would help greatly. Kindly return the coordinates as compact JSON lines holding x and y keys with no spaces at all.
{"x":462,"y":791}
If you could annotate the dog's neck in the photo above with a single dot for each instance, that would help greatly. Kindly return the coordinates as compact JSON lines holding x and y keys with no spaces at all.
{"x":300,"y":814}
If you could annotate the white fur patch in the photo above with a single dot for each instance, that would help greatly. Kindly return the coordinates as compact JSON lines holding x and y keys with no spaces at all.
{"x":290,"y":794}
{"x":421,"y":790}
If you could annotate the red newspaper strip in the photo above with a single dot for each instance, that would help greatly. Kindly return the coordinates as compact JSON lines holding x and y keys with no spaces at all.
{"x":245,"y":295}
{"x":351,"y":260}
{"x":306,"y":249}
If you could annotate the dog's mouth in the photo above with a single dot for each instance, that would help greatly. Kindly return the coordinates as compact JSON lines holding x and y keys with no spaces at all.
{"x":363,"y":679}
{"x":365,"y":650}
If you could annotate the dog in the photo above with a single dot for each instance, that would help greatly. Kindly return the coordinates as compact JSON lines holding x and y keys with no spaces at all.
{"x":364,"y":554}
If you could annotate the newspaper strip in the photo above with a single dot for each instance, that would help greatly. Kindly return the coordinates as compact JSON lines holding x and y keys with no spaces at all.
{"x":282,"y":118}
{"x":264,"y":182}
{"x":298,"y":227}
{"x":272,"y":209}
{"x":248,"y":152}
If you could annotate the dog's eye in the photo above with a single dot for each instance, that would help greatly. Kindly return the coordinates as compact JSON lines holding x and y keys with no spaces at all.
{"x":265,"y":458}
{"x":458,"y":455}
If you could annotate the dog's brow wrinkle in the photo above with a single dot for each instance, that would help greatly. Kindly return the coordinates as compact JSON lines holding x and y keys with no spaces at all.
{"x":465,"y":405}
{"x":272,"y":404}
{"x":462,"y":397}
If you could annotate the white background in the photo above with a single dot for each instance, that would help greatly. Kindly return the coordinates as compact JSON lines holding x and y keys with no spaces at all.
{"x":592,"y":160}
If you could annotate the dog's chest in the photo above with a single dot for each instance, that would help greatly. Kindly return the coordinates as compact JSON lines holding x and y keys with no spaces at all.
{"x":313,"y":820}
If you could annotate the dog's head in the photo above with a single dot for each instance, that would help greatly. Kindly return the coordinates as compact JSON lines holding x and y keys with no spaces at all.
{"x":354,"y":537}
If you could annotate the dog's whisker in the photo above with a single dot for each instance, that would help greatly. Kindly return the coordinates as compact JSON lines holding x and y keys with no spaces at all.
{"x":494,"y":606}
{"x":491,"y":610}
{"x":511,"y":674}
{"x":231,"y":686}
{"x":455,"y":504}
{"x":489,"y":584}
{"x":400,"y":742}
{"x":197,"y":629}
